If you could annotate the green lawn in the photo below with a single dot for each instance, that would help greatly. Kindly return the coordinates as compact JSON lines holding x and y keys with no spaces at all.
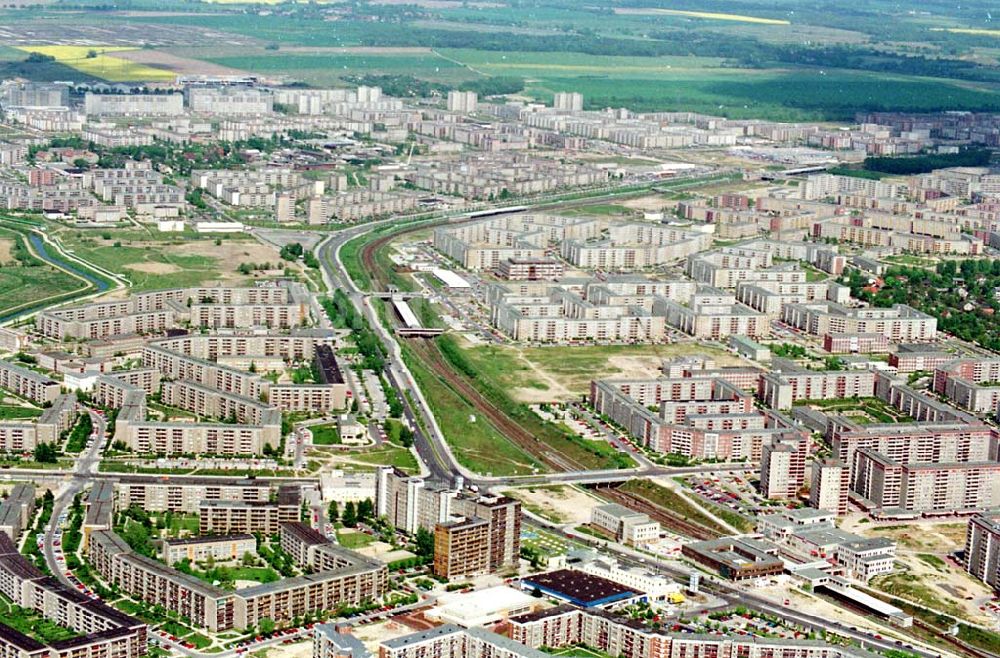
{"x":179,"y":522}
{"x":176,"y":628}
{"x":353,"y":540}
{"x":14,"y":412}
{"x":325,"y":435}
{"x":388,"y":455}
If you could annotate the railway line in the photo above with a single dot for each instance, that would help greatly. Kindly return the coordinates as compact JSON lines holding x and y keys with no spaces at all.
{"x":670,"y":521}
{"x":431,"y":357}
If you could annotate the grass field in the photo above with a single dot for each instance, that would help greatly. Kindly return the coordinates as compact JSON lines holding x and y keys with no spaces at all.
{"x":103,"y":64}
{"x":476,"y":443}
{"x":669,"y":501}
{"x":147,"y":267}
{"x":564,"y":372}
{"x":325,"y":435}
{"x":13,"y":412}
{"x":330,"y":68}
{"x":704,"y":84}
{"x":354,"y":540}
{"x":21,"y":283}
{"x":388,"y":455}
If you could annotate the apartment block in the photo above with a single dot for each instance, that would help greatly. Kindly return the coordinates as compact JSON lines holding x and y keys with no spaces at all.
{"x":704,"y":418}
{"x":982,"y":548}
{"x":888,"y":488}
{"x":972,"y":384}
{"x":16,"y":510}
{"x":186,"y":496}
{"x":789,"y":383}
{"x":830,"y":486}
{"x":133,"y":104}
{"x":221,"y":548}
{"x":713,"y":314}
{"x":944,"y":442}
{"x":17,"y":436}
{"x":229,"y":101}
{"x":410,"y":502}
{"x":462,"y":548}
{"x":567,"y":625}
{"x":635,"y":247}
{"x":27,"y":383}
{"x":245,"y":517}
{"x":104,"y":631}
{"x":151,"y":581}
{"x":782,"y":469}
{"x":340,"y":577}
{"x":900,"y":323}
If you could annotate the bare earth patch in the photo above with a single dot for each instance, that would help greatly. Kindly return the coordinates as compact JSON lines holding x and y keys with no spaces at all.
{"x":6,"y":246}
{"x":560,"y":503}
{"x":154,"y":268}
{"x":177,"y":64}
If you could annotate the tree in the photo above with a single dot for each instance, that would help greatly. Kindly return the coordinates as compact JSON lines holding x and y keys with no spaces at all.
{"x":266,"y":626}
{"x":425,"y":542}
{"x":405,"y":436}
{"x":355,"y":407}
{"x":365,"y":510}
{"x":333,"y":512}
{"x":45,"y":453}
{"x":350,"y":516}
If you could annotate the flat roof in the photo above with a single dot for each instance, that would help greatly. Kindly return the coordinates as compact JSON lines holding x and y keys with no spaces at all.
{"x":449,"y":278}
{"x":579,"y":587}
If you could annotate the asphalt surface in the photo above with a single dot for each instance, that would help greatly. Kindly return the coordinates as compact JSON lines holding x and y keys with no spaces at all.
{"x":86,"y":467}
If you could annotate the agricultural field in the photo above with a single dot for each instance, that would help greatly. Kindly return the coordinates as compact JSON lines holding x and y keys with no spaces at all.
{"x":742,"y":59}
{"x":322,"y":67}
{"x":101,"y":62}
{"x":707,"y":15}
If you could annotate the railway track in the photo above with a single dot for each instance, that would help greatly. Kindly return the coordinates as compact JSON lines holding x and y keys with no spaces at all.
{"x":428,"y":353}
{"x":665,"y":517}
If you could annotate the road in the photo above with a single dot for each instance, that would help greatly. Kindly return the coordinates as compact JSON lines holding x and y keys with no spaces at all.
{"x":86,"y":467}
{"x":727,"y":590}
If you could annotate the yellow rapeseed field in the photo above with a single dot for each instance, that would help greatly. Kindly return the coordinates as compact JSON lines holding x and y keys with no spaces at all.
{"x":104,"y":65}
{"x":967,"y":30}
{"x":739,"y":18}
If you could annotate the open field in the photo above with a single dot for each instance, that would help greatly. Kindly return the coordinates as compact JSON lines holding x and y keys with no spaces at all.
{"x":538,"y":374}
{"x":26,"y":280}
{"x":325,"y":67}
{"x":174,"y":63}
{"x":101,"y":62}
{"x":704,"y":15}
{"x":171,"y":261}
{"x":557,"y":503}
